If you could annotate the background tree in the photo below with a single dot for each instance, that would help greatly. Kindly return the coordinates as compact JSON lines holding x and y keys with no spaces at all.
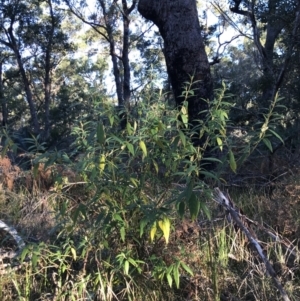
{"x":274,"y":30}
{"x":105,"y":20}
{"x":15,"y":16}
{"x":80,"y":84}
{"x":4,"y":56}
{"x":32,"y":32}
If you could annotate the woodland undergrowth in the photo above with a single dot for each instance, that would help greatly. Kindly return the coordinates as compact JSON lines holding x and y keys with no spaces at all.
{"x":128,"y":214}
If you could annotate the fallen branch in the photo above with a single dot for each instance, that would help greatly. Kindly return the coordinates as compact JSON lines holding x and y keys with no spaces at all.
{"x":11,"y":254}
{"x":235,"y":215}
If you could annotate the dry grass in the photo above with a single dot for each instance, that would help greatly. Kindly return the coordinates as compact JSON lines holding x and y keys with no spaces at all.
{"x":224,"y":265}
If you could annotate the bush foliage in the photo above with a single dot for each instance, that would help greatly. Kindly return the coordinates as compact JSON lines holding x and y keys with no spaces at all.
{"x":116,"y":208}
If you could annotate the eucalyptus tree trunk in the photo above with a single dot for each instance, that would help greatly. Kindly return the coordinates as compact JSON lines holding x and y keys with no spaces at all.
{"x":126,"y":11}
{"x":109,"y":36}
{"x":13,"y":44}
{"x":2,"y":99}
{"x":28,"y":93}
{"x":122,"y":81}
{"x":105,"y":25}
{"x":48,"y":69}
{"x":184,"y":51}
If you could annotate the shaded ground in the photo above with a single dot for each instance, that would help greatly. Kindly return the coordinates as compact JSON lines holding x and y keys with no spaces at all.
{"x":224,"y":265}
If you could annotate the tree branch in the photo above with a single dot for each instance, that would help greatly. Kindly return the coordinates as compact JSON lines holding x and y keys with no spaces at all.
{"x":234,"y":214}
{"x":94,"y":25}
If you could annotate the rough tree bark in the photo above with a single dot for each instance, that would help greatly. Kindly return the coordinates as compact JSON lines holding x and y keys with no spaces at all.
{"x":2,"y":99}
{"x":184,"y":50}
{"x":26,"y":82}
{"x":48,"y":69}
{"x":13,"y":44}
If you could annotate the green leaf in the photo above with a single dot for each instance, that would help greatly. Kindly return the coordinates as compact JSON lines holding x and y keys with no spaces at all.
{"x":153,"y":231}
{"x":165,"y":226}
{"x":268,"y":143}
{"x":122,"y":233}
{"x":209,"y":174}
{"x":232,"y":161}
{"x":73,"y":251}
{"x":143,"y":223}
{"x":184,"y":119}
{"x":102,"y":162}
{"x":182,"y":138}
{"x":186,"y":268}
{"x":34,"y":260}
{"x":205,"y":209}
{"x":170,"y":280}
{"x":115,"y":138}
{"x":132,"y":262}
{"x":135,"y":126}
{"x":129,"y":128}
{"x":111,"y":118}
{"x":194,"y":206}
{"x":224,"y":115}
{"x":100,"y":133}
{"x":211,"y":159}
{"x":134,"y":182}
{"x":176,"y":275}
{"x":276,"y":135}
{"x":126,"y":267}
{"x":220,"y":143}
{"x":189,"y":189}
{"x":181,"y":209}
{"x":117,"y":217}
{"x":143,"y":148}
{"x":155,"y":166}
{"x":25,"y":251}
{"x":130,"y":147}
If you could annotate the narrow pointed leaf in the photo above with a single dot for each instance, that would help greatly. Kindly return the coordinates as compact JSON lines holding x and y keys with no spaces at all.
{"x":130,"y":147}
{"x":220,"y":143}
{"x":186,"y":268}
{"x":129,"y":128}
{"x":102,"y":162}
{"x":194,"y":206}
{"x":276,"y":135}
{"x":182,"y":138}
{"x":181,"y":209}
{"x":143,"y":148}
{"x":143,"y":224}
{"x":232,"y":161}
{"x":176,"y":276}
{"x":268,"y":143}
{"x":170,"y":280}
{"x":184,"y":120}
{"x":165,"y":226}
{"x":73,"y":251}
{"x":153,"y":232}
{"x":205,"y":209}
{"x":122,"y":233}
{"x":100,"y":133}
{"x":155,"y":166}
{"x":126,"y":267}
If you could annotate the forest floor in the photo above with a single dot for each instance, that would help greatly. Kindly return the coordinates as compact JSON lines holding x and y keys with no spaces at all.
{"x":224,"y":265}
